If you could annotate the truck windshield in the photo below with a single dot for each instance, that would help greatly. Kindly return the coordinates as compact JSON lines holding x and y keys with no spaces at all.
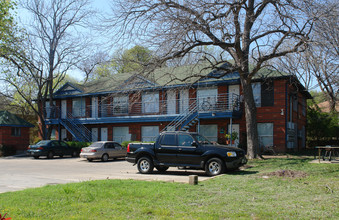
{"x":201,"y":139}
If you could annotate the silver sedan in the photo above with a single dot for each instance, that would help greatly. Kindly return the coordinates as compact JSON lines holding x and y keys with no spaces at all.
{"x":103,"y":150}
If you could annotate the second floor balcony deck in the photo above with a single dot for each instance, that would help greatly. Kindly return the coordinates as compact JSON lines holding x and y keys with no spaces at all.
{"x":224,"y":105}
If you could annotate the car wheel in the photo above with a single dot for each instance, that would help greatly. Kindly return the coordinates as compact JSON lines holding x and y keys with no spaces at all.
{"x":74,"y":154}
{"x":50,"y":155}
{"x":214,"y":166}
{"x":36,"y":157}
{"x":145,"y":165}
{"x":104,"y":158}
{"x":161,"y":168}
{"x":90,"y":160}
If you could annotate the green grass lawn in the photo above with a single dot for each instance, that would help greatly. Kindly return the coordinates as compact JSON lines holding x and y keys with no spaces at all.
{"x":254,"y":193}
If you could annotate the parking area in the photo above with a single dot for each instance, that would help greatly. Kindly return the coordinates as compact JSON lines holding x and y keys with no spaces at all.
{"x":19,"y":173}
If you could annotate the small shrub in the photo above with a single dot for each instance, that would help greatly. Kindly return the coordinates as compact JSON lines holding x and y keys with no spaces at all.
{"x":78,"y":144}
{"x":6,"y":150}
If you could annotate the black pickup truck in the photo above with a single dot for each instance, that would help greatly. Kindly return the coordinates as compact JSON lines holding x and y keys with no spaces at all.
{"x":185,"y":150}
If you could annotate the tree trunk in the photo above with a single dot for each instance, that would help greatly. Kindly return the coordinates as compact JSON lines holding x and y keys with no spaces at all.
{"x":251,"y":119}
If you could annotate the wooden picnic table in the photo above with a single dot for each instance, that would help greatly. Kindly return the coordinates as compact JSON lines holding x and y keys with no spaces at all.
{"x":331,"y":150}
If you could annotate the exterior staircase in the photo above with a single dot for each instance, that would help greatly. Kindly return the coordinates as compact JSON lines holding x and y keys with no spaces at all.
{"x":185,"y":120}
{"x":78,"y":130}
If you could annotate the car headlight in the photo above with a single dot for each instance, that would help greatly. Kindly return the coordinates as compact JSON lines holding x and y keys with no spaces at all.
{"x":231,"y":154}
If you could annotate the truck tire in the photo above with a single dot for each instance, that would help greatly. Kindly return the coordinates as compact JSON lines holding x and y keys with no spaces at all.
{"x":161,"y":168}
{"x":145,"y":165}
{"x":214,"y":166}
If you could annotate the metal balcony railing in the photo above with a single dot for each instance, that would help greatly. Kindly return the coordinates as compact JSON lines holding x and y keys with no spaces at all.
{"x":221,"y":103}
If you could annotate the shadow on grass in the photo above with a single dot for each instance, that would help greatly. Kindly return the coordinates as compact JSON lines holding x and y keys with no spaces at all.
{"x":242,"y":172}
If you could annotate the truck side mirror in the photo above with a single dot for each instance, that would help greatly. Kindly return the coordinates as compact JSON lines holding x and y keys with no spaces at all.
{"x":195,"y":144}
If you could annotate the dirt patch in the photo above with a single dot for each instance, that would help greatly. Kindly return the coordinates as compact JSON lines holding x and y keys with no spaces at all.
{"x":286,"y":174}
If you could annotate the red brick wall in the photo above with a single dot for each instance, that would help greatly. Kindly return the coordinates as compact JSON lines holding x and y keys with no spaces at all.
{"x":19,"y":143}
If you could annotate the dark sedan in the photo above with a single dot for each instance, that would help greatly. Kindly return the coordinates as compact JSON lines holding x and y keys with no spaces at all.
{"x":51,"y":148}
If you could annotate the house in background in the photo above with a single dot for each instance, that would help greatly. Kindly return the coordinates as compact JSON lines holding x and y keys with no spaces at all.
{"x":133,"y":107}
{"x":14,"y":131}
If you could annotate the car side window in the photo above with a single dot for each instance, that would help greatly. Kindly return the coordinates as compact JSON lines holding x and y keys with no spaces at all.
{"x":54,"y":144}
{"x":185,"y":140}
{"x":63,"y":144}
{"x":109,"y":145}
{"x":117,"y":146}
{"x":168,"y":139}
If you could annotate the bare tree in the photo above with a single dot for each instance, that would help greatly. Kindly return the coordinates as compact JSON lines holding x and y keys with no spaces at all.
{"x":54,"y":43}
{"x":241,"y":31}
{"x":319,"y":62}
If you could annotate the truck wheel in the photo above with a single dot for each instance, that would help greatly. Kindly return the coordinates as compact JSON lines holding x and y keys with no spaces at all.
{"x":145,"y":165}
{"x":214,"y":166}
{"x":161,"y":168}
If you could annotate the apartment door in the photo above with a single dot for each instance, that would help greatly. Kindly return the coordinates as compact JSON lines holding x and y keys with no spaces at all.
{"x":232,"y":89}
{"x":171,"y":102}
{"x":95,"y":107}
{"x":184,"y":100}
{"x":63,"y":134}
{"x":104,"y":135}
{"x":94,"y":134}
{"x":63,"y":108}
{"x":235,"y":128}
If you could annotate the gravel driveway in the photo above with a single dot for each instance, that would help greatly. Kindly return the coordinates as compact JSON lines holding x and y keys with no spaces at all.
{"x":17,"y":173}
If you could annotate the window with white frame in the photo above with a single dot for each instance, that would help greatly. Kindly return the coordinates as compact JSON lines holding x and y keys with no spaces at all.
{"x":210,"y":132}
{"x":120,"y":104}
{"x":150,"y":102}
{"x":121,"y":134}
{"x":256,"y":87}
{"x":78,"y":107}
{"x":265,"y":133}
{"x":207,"y":98}
{"x":149,"y":133}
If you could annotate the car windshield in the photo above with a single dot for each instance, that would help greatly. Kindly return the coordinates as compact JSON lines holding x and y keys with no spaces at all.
{"x":201,"y":139}
{"x":96,"y":144}
{"x":42,"y":143}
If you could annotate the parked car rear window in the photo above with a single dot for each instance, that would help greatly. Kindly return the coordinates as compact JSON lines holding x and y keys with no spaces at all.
{"x":42,"y":142}
{"x":96,"y":144}
{"x":168,"y":139}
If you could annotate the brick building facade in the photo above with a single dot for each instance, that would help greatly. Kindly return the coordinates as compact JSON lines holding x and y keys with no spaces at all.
{"x":132,"y":107}
{"x":14,"y":131}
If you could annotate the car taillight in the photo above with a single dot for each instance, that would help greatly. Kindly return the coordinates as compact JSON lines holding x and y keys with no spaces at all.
{"x":128,"y":150}
{"x":39,"y":148}
{"x":93,"y":150}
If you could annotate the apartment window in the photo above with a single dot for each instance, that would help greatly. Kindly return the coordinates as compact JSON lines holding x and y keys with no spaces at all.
{"x":265,"y":132}
{"x":207,"y":99}
{"x":78,"y":107}
{"x":149,"y":133}
{"x":256,"y":87}
{"x":121,"y":134}
{"x":210,"y":132}
{"x":150,"y":102}
{"x":120,"y":105}
{"x":16,"y":132}
{"x":267,"y":94}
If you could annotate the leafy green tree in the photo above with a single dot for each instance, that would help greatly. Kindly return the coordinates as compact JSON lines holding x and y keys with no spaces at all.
{"x":7,"y":25}
{"x":135,"y":59}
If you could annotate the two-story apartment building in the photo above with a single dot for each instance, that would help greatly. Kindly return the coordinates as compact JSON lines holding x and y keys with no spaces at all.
{"x":134,"y":107}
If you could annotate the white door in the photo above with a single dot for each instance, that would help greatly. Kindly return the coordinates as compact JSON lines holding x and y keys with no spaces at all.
{"x":232,"y":89}
{"x":121,"y":134}
{"x":95,"y":107}
{"x":171,"y":102}
{"x":63,"y":108}
{"x":63,"y":134}
{"x":235,"y":128}
{"x":207,"y":98}
{"x":94,"y":134}
{"x":184,"y":100}
{"x":104,"y":135}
